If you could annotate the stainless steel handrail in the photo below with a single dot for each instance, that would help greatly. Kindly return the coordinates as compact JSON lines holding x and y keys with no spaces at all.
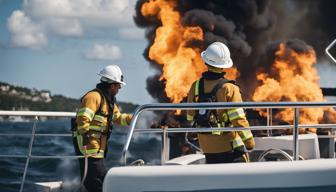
{"x":36,"y":134}
{"x":257,"y":128}
{"x":296,"y":134}
{"x":328,"y":48}
{"x":168,"y":106}
{"x":223,"y":105}
{"x":29,"y":153}
{"x":37,"y":113}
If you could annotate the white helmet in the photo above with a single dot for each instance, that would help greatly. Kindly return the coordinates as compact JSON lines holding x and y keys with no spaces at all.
{"x":111,"y":74}
{"x":217,"y":55}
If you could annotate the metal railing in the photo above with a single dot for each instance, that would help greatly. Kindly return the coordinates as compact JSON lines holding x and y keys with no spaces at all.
{"x":327,"y":50}
{"x":226,"y":105}
{"x":183,"y":106}
{"x":35,"y":115}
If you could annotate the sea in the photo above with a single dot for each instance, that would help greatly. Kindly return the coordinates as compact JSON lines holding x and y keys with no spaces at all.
{"x":143,"y":146}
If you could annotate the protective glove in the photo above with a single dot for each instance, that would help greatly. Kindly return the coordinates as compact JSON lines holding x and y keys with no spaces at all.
{"x":249,"y":144}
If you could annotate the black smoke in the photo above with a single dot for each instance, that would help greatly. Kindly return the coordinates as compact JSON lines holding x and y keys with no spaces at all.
{"x":268,"y":57}
{"x":251,"y":29}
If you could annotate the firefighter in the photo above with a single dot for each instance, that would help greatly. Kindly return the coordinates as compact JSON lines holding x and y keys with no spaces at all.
{"x":220,"y":147}
{"x":94,"y":122}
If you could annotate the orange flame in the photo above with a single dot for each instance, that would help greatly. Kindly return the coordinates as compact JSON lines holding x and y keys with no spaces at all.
{"x":329,"y":115}
{"x":232,"y":73}
{"x":182,"y":65}
{"x":293,"y":79}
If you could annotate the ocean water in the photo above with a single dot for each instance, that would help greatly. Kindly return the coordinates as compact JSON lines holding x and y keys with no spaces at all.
{"x":143,"y":146}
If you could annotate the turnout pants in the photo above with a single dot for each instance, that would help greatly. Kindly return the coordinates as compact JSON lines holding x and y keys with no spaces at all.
{"x":96,"y":171}
{"x":235,"y":156}
{"x":95,"y":174}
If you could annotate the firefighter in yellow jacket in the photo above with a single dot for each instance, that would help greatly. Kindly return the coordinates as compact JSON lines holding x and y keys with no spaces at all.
{"x":220,"y":147}
{"x":94,"y":122}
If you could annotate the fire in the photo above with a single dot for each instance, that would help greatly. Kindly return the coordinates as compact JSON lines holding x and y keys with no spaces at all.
{"x":292,"y":78}
{"x":182,"y":65}
{"x":232,"y":73}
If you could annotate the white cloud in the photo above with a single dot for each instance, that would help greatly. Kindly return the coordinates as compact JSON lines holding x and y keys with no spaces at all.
{"x":104,"y":52}
{"x":131,"y":33}
{"x":91,"y":12}
{"x":70,"y":18}
{"x":65,"y":27}
{"x":25,"y":33}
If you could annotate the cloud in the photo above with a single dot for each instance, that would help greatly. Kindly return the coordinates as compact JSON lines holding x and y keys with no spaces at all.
{"x":104,"y":52}
{"x":89,"y":12}
{"x":45,"y":18}
{"x":65,"y":27}
{"x":131,"y":33}
{"x":25,"y":33}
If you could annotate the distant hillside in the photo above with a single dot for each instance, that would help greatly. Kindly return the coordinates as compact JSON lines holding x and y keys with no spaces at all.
{"x":24,"y":99}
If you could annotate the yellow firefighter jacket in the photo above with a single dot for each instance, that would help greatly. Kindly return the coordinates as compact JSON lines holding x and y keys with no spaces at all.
{"x":225,"y":141}
{"x":92,"y":126}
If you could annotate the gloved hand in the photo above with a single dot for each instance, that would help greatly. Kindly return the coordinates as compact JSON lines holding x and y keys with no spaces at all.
{"x":129,"y":118}
{"x":249,"y":144}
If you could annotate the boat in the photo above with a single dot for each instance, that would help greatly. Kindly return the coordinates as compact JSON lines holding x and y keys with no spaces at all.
{"x":296,"y":163}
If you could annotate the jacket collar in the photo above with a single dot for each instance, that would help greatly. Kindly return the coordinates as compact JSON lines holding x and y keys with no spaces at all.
{"x":210,"y":75}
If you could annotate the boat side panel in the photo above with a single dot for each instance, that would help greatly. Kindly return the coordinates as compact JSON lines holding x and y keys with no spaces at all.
{"x":261,"y":175}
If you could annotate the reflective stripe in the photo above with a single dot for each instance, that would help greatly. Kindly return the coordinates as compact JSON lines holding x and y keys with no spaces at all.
{"x":95,"y":153}
{"x":246,"y":134}
{"x":217,"y":132}
{"x":84,"y":128}
{"x":80,"y":144}
{"x":100,"y":154}
{"x":123,"y":120}
{"x":95,"y":135}
{"x":190,"y":117}
{"x":98,"y":128}
{"x":236,"y":113}
{"x":87,"y":112}
{"x":99,"y":118}
{"x":90,"y":152}
{"x":237,"y":142}
{"x":197,"y":88}
{"x":225,"y":117}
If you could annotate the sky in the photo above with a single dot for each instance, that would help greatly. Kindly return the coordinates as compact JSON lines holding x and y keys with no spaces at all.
{"x":61,"y":45}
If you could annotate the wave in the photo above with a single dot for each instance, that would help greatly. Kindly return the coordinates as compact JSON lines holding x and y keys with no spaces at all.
{"x":143,"y":146}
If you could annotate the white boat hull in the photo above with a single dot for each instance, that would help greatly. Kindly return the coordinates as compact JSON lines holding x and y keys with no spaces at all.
{"x":219,"y":177}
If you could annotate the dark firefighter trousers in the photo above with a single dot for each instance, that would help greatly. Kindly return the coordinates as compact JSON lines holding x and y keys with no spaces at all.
{"x":95,"y":173}
{"x":236,"y":156}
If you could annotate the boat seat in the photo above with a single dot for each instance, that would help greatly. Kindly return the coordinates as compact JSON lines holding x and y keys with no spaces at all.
{"x":308,"y":145}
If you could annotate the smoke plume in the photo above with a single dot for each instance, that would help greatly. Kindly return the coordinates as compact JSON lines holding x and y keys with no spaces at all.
{"x":250,"y":28}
